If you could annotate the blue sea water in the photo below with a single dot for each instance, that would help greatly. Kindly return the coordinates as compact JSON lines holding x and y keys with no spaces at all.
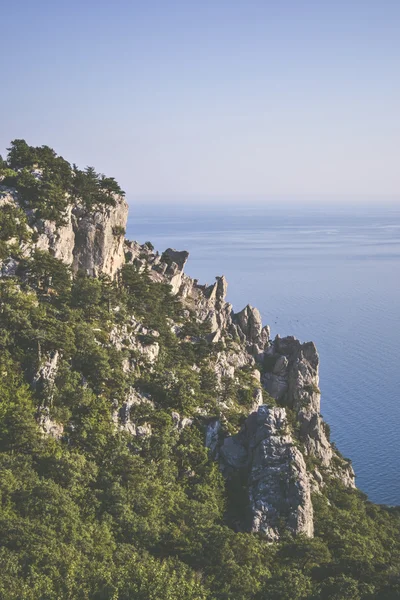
{"x":328,"y":274}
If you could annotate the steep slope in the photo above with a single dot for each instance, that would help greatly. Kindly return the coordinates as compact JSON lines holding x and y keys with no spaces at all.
{"x":285,"y":371}
{"x":153,"y":443}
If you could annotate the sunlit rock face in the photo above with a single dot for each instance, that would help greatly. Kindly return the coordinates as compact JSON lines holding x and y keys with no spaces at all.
{"x":293,"y":379}
{"x":59,"y":241}
{"x":278,"y":484}
{"x":89,"y":241}
{"x":99,"y":239}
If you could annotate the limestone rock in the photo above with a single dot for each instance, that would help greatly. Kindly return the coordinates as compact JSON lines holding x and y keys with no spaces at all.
{"x":99,"y":241}
{"x":281,"y":365}
{"x":122,"y":416}
{"x":60,"y":242}
{"x":91,"y":241}
{"x":48,"y":425}
{"x":137,"y":338}
{"x":234,"y":452}
{"x":250,"y":329}
{"x":279,"y":490}
{"x":229,"y":360}
{"x":279,"y":482}
{"x":7,"y":195}
{"x":346,"y":474}
{"x":206,"y":301}
{"x":43,"y":379}
{"x":143,"y":431}
{"x":312,"y":432}
{"x":176,"y":282}
{"x":181,"y":422}
{"x":212,"y":434}
{"x":178,"y":257}
{"x":258,"y":400}
{"x":8,"y":267}
{"x":293,"y":380}
{"x":275,"y":385}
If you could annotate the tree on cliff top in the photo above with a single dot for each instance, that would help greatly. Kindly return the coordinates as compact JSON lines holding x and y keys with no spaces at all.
{"x":47,"y":183}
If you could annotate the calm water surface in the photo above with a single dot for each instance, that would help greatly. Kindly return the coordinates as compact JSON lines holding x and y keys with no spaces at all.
{"x":331,"y":276}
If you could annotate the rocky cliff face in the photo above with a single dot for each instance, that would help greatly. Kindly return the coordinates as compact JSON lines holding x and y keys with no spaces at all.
{"x":99,"y":239}
{"x":279,"y":491}
{"x":90,"y":241}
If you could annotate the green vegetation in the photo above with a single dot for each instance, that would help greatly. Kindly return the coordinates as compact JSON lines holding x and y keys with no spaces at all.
{"x":48,"y":184}
{"x":13,"y":231}
{"x":312,"y":389}
{"x":100,"y":514}
{"x":118,"y":231}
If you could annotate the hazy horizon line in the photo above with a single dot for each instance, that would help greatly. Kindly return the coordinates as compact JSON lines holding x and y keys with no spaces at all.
{"x":325,"y":199}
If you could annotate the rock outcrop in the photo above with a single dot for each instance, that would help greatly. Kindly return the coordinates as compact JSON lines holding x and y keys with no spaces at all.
{"x":48,"y":425}
{"x":59,"y":241}
{"x":89,"y":241}
{"x":278,"y":484}
{"x":179,"y":257}
{"x":43,"y":384}
{"x":99,"y":239}
{"x":123,"y":419}
{"x":139,"y":341}
{"x":292,"y":378}
{"x":289,"y":368}
{"x":247,"y":324}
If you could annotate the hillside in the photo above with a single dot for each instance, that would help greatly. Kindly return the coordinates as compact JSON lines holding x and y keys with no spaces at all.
{"x":153,"y":443}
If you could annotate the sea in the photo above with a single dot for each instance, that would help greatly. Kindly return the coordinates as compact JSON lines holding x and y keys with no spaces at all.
{"x":329,"y":273}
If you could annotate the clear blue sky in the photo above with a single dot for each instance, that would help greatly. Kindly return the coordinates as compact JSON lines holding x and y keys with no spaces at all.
{"x":210,"y":96}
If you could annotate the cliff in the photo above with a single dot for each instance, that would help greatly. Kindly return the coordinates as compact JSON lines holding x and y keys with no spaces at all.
{"x":91,"y":241}
{"x":154,"y":443}
{"x":268,"y":449}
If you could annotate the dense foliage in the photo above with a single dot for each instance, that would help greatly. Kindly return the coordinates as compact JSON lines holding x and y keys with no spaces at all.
{"x":47,"y":183}
{"x":102,"y":514}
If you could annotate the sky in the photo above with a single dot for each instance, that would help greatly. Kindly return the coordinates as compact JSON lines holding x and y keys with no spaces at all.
{"x":210,"y":98}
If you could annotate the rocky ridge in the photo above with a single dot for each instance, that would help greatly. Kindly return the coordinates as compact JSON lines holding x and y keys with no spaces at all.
{"x":266,"y":449}
{"x":282,"y":449}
